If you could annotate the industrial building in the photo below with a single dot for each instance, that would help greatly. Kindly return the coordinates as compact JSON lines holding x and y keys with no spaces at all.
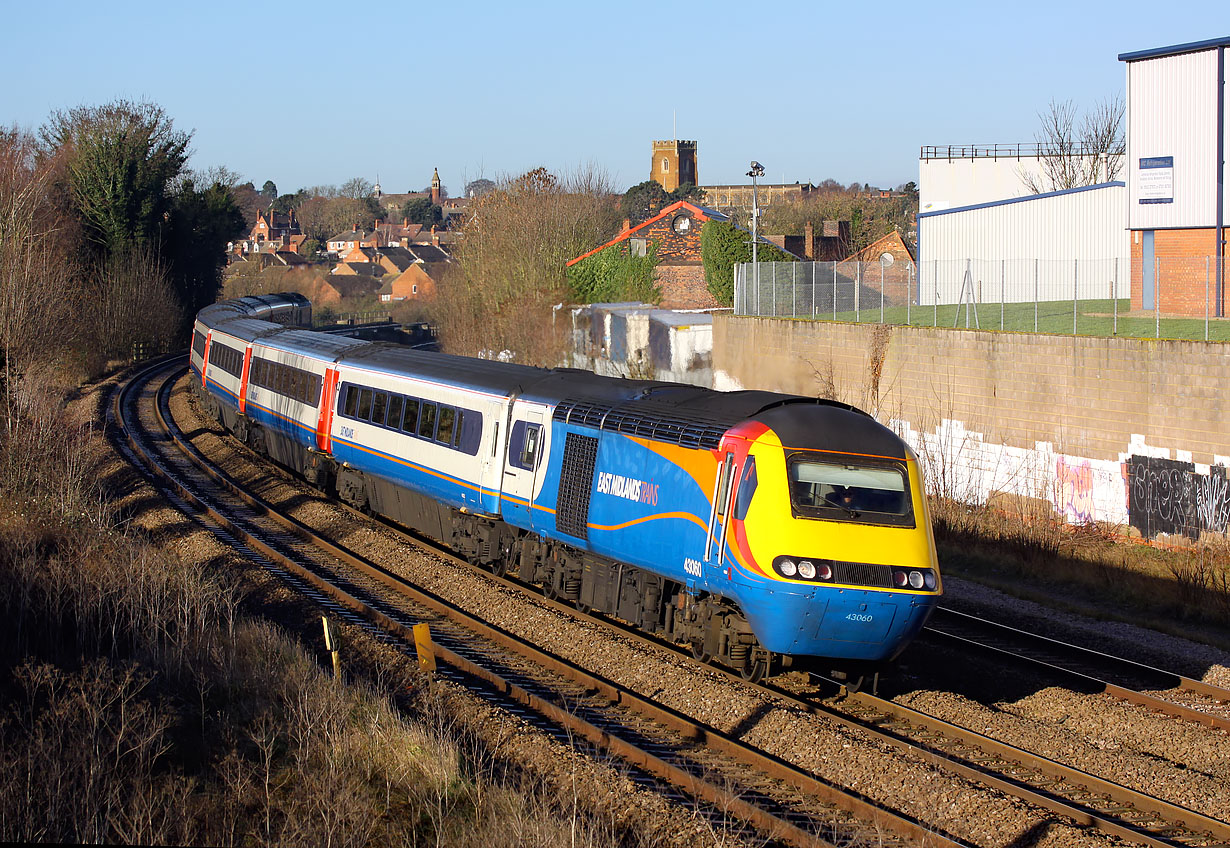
{"x":1157,"y":231}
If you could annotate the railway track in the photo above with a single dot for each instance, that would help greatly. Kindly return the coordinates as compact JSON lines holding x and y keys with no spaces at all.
{"x":1083,"y":798}
{"x":734,"y":780}
{"x":1085,"y":669}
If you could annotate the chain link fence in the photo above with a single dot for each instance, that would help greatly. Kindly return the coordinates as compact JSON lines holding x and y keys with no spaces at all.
{"x":1172,"y":298}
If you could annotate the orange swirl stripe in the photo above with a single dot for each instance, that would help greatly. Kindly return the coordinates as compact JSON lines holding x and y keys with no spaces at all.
{"x":687,"y":516}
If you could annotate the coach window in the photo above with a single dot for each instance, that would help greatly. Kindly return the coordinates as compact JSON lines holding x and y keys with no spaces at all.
{"x":352,"y":401}
{"x":365,"y":404}
{"x":379,"y":404}
{"x":529,"y":450}
{"x":394,"y":416}
{"x":444,"y":430}
{"x":410,"y":421}
{"x":427,"y":421}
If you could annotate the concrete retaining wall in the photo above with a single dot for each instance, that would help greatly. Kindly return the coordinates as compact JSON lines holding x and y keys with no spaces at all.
{"x":1119,"y":430}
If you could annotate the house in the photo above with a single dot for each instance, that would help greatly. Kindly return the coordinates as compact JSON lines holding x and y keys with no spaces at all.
{"x":680,"y":274}
{"x":273,"y":226}
{"x":832,"y":245}
{"x":416,"y":278}
{"x":404,"y":273}
{"x":415,"y":283}
{"x":887,"y":249}
{"x":343,"y":243}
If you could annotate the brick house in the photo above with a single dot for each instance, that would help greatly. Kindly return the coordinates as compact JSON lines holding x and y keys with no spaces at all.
{"x":832,"y":245}
{"x":891,"y":244}
{"x":342,"y":243}
{"x":680,"y":273}
{"x":275,"y":228}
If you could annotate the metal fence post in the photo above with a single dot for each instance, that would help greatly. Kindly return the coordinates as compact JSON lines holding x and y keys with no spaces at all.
{"x":834,"y":291}
{"x":1206,"y":298}
{"x":1035,"y":295}
{"x":1157,"y":297}
{"x":1002,"y":264}
{"x":773,"y":282}
{"x":935,"y":303}
{"x":881,"y":292}
{"x":1075,"y":283}
{"x":909,"y":292}
{"x":858,"y":290}
{"x":813,"y":289}
{"x":794,"y":289}
{"x":1114,"y":296}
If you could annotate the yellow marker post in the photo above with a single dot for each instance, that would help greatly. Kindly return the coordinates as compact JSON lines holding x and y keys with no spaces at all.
{"x":333,"y":646}
{"x":424,"y":647}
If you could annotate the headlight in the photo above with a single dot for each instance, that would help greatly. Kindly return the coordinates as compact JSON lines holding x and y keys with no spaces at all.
{"x":786,"y":566}
{"x":916,"y":579}
{"x":900,"y":580}
{"x":806,"y":570}
{"x":929,"y":580}
{"x":825,"y":571}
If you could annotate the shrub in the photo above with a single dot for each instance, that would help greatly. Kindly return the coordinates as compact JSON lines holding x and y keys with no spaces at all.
{"x":614,"y":274}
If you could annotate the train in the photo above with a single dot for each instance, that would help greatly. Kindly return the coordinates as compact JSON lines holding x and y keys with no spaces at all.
{"x":763,"y":531}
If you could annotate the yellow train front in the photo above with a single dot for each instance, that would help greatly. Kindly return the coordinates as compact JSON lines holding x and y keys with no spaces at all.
{"x":828,"y":547}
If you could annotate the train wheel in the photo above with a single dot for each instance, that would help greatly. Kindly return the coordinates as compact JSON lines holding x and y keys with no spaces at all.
{"x":699,"y":653}
{"x":754,"y":671}
{"x":500,"y":567}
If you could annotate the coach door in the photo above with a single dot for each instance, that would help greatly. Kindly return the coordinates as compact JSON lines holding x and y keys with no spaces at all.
{"x":243,"y":379}
{"x":523,"y":464}
{"x":324,"y":420}
{"x":715,"y":543}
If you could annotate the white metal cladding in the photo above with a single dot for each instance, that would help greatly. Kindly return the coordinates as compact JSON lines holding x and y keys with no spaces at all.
{"x":956,"y":182}
{"x":1047,"y":247}
{"x":1172,"y":111}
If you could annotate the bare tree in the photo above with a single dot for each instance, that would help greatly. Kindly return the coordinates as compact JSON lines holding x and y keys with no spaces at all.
{"x":508,"y":284}
{"x":1073,"y":155}
{"x":356,"y":188}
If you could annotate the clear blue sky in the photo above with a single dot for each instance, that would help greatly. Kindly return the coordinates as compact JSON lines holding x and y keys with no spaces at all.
{"x":314,"y":93}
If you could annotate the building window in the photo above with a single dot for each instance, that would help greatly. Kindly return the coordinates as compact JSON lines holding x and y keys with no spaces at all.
{"x":665,"y":165}
{"x":637,"y":246}
{"x":414,"y":289}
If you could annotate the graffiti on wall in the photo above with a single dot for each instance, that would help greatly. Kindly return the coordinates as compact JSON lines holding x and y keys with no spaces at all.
{"x":1074,"y":489}
{"x":1169,"y":496}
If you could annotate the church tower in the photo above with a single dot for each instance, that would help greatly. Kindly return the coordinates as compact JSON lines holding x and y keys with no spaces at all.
{"x":435,"y":187}
{"x":674,"y":164}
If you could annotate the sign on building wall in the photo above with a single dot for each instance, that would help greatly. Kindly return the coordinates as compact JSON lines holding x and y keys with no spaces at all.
{"x":1155,"y":180}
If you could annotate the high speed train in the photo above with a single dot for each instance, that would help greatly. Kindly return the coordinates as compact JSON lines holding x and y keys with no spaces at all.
{"x":763,"y":530}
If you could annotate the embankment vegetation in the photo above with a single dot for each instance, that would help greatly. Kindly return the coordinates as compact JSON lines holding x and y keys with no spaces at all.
{"x":140,"y":700}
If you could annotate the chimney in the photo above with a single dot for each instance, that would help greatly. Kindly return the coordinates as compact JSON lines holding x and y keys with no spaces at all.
{"x":405,"y":222}
{"x":809,"y":241}
{"x":435,"y":237}
{"x":627,"y":224}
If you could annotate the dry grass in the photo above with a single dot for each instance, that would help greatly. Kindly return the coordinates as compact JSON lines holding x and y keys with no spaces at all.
{"x":140,"y":704}
{"x":1022,"y":547}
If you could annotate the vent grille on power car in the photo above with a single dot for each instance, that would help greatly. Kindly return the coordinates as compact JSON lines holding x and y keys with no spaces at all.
{"x":576,"y":480}
{"x":862,"y":574}
{"x":653,"y":421}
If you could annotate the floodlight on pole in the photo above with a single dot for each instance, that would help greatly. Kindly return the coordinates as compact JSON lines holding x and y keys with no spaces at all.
{"x":756,"y":170}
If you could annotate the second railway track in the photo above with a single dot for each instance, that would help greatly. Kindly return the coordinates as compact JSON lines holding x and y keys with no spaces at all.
{"x":1122,"y":813}
{"x":777,"y":799}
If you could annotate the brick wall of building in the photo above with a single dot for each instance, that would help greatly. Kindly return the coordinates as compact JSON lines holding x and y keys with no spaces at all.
{"x":1085,"y":397}
{"x":1185,"y":273}
{"x":683,"y":287}
{"x":672,"y":246}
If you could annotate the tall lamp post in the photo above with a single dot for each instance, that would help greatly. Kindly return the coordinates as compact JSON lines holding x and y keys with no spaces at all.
{"x":757,"y":170}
